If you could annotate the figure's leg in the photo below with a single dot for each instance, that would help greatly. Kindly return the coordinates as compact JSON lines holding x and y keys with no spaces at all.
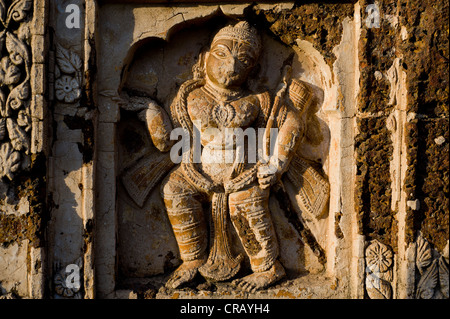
{"x":188,"y":223}
{"x":249,"y":211}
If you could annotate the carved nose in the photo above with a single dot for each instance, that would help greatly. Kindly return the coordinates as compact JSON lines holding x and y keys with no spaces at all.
{"x":231,"y":65}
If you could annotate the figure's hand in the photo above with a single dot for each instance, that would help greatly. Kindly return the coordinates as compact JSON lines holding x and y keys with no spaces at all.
{"x":240,"y":182}
{"x":156,"y":119}
{"x":267,"y":175}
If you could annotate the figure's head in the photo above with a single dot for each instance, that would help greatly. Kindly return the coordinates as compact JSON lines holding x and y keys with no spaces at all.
{"x":233,"y":53}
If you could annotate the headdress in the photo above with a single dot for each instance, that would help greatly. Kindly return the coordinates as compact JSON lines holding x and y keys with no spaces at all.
{"x":242,"y":31}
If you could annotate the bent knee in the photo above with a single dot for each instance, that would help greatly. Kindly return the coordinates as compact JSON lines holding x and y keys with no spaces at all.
{"x":175,"y":185}
{"x":252,"y":199}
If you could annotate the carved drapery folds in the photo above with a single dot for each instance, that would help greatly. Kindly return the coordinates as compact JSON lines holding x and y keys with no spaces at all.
{"x":15,"y":63}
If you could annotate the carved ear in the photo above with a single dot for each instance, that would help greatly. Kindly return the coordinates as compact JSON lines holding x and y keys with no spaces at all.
{"x":204,"y":55}
{"x":198,"y":69}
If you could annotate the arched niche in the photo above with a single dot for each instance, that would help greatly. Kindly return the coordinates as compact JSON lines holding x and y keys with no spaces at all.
{"x":155,"y":68}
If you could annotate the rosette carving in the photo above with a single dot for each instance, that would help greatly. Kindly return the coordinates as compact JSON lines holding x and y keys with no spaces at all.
{"x":379,"y":261}
{"x":67,"y":285}
{"x":68,"y":74}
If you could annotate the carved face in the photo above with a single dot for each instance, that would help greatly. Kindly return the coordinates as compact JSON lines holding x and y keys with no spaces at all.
{"x":229,"y":62}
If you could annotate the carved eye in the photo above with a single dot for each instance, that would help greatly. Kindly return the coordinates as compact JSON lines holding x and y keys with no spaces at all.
{"x":220,"y":54}
{"x":245,"y":60}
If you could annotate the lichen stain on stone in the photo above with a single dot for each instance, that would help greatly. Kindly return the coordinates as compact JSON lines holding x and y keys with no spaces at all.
{"x":285,"y":294}
{"x":425,"y":56}
{"x":432,"y":182}
{"x":377,"y":51}
{"x":246,"y":234}
{"x":168,"y":262}
{"x":318,"y":23}
{"x":30,"y":226}
{"x":373,"y":182}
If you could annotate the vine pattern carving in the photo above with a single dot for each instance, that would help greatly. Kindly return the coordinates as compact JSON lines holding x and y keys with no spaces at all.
{"x":15,"y":65}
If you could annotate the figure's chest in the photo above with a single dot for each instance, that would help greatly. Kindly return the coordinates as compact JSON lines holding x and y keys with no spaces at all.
{"x":221,"y":113}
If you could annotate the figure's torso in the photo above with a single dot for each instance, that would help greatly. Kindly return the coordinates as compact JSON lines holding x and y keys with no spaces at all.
{"x":212,"y":115}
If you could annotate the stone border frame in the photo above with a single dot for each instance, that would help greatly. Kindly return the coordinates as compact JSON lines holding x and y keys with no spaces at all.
{"x":82,"y":56}
{"x":340,"y":123}
{"x":39,"y":137}
{"x":98,"y":204}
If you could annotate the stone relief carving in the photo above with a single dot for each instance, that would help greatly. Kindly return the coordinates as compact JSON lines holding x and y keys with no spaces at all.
{"x":432,"y":271}
{"x":68,"y":75}
{"x":379,"y":267}
{"x":15,"y":122}
{"x":63,"y":285}
{"x":218,"y":98}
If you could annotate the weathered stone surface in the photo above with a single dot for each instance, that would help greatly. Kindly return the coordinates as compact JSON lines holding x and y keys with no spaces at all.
{"x":92,"y":205}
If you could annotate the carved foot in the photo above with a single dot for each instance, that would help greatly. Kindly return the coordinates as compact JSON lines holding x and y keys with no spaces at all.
{"x":259,"y":280}
{"x":184,"y":274}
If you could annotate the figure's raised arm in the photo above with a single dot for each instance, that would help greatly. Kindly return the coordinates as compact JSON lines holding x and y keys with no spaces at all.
{"x":154,"y":116}
{"x":290,"y":132}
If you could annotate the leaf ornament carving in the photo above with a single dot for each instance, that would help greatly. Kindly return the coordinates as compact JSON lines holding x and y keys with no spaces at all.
{"x":424,"y":254}
{"x":68,"y":61}
{"x":3,"y":110}
{"x":2,"y":129}
{"x":433,"y":269}
{"x":443,"y":277}
{"x":68,"y":84}
{"x":15,"y":64}
{"x":428,"y":282}
{"x":18,"y":97}
{"x":19,"y":139}
{"x":378,"y":288}
{"x":2,"y":12}
{"x":18,"y":10}
{"x":379,"y":261}
{"x":18,"y":51}
{"x":9,"y":160}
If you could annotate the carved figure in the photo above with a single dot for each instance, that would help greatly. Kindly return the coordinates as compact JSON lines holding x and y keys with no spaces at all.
{"x":218,"y":99}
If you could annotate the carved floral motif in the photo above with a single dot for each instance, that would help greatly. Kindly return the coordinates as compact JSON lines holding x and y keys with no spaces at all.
{"x":68,"y":74}
{"x":15,"y":62}
{"x":63,"y":283}
{"x":433,"y":271}
{"x":67,"y":89}
{"x":379,"y":260}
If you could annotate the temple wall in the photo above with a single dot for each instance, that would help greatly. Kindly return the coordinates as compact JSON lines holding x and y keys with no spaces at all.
{"x":378,"y":136}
